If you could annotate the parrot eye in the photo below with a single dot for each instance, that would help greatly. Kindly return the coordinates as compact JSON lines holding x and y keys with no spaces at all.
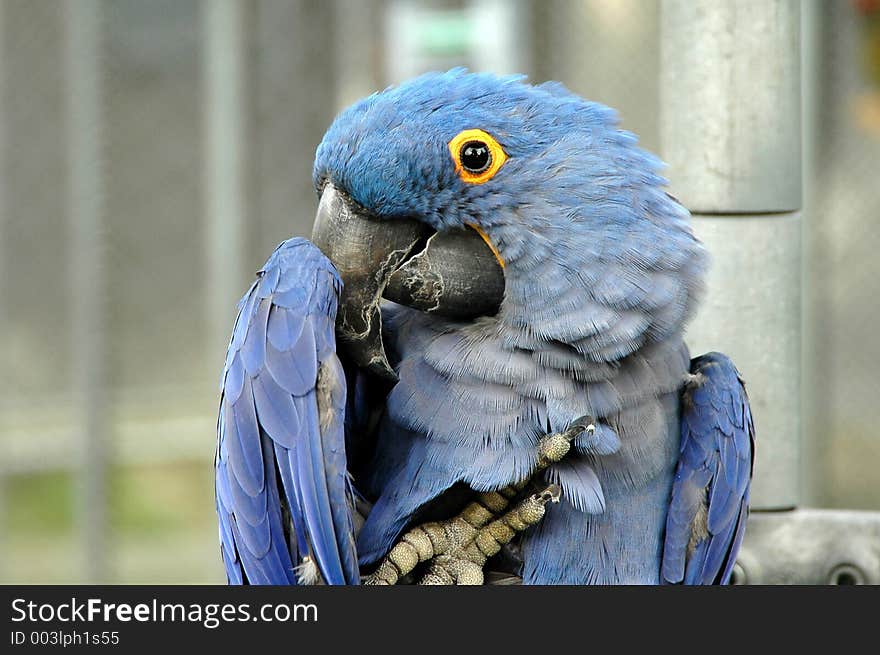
{"x":477,"y":156}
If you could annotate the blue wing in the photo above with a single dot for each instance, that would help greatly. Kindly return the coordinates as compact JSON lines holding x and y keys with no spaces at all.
{"x":710,"y":494}
{"x":282,"y":489}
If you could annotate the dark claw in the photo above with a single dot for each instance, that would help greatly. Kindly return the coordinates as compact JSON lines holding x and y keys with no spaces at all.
{"x":549,"y":495}
{"x":580,"y":425}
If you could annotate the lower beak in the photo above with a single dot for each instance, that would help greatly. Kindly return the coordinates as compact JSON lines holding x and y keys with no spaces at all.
{"x":453,"y":274}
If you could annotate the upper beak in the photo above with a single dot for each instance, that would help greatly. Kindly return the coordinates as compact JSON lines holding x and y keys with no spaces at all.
{"x":453,"y":274}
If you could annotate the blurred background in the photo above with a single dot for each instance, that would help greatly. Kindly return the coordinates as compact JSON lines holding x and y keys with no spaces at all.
{"x":154,"y":152}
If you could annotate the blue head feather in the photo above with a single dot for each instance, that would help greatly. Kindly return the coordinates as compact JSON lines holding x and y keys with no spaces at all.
{"x":569,"y":164}
{"x":390,"y":151}
{"x":578,"y":211}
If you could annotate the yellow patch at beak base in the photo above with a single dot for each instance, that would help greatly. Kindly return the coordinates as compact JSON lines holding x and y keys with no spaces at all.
{"x":489,"y":243}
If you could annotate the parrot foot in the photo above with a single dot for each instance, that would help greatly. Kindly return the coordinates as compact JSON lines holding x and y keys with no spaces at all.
{"x":553,"y":447}
{"x":464,"y":566}
{"x":431,"y":540}
{"x":457,"y":549}
{"x":480,"y":529}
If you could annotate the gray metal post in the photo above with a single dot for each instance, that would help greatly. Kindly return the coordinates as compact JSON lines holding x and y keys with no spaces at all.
{"x":358,"y":67}
{"x":88,"y":290}
{"x":3,"y":301}
{"x":730,"y":131}
{"x":224,"y":182}
{"x":294,"y":90}
{"x":814,"y":429}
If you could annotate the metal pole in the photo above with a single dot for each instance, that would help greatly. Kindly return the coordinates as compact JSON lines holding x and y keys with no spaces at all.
{"x":730,"y":129}
{"x":88,"y":289}
{"x":224,"y":184}
{"x":816,"y":423}
{"x":4,"y":303}
{"x":294,"y":92}
{"x":355,"y":26}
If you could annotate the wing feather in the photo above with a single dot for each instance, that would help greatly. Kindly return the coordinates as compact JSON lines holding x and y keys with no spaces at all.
{"x":243,"y":444}
{"x":282,"y":487}
{"x":710,"y":493}
{"x":294,"y":368}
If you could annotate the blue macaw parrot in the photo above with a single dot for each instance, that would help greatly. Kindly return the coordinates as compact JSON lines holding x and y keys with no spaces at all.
{"x":492,"y":261}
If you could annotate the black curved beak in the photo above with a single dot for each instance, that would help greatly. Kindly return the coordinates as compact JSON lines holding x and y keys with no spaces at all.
{"x":453,"y":274}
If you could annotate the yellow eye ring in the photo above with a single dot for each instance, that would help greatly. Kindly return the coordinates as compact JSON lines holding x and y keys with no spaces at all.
{"x":477,"y":156}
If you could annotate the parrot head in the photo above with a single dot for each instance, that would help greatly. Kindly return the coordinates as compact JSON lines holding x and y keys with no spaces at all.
{"x":472,"y":194}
